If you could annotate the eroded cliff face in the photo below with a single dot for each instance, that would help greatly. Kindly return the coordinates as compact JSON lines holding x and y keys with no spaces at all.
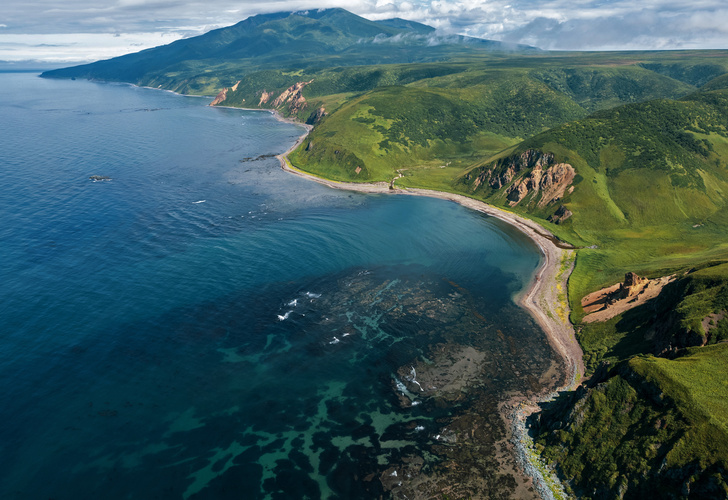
{"x":264,"y":97}
{"x":532,"y":176}
{"x":290,"y":99}
{"x":293,"y":97}
{"x":223,"y":94}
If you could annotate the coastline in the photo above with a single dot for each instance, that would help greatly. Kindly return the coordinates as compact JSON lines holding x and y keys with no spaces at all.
{"x":541,"y":300}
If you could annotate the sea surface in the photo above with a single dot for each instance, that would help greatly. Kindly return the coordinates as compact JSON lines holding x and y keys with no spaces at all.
{"x":201,"y":324}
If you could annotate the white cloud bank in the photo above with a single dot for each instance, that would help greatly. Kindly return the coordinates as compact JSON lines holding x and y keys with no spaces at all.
{"x":85,"y":30}
{"x":77,"y":47}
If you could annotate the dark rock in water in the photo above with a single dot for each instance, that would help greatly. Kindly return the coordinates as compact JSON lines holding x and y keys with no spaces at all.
{"x":99,"y":178}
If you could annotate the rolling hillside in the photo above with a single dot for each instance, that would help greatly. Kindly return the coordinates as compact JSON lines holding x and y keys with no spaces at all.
{"x":651,"y":189}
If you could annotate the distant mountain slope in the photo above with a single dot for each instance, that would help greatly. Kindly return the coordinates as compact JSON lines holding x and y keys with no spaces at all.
{"x":329,"y":37}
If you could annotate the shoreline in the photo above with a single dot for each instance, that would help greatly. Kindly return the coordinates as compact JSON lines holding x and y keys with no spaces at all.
{"x":536,"y":298}
{"x":539,"y":294}
{"x":540,"y":298}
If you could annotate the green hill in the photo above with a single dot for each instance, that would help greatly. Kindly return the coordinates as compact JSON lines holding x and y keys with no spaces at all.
{"x":650,"y":426}
{"x":425,"y":116}
{"x":651,"y":188}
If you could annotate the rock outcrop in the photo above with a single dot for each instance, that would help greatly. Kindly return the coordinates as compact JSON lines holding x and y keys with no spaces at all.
{"x":631,"y":286}
{"x":264,"y":97}
{"x":316,"y":116}
{"x":502,"y":172}
{"x":552,"y":184}
{"x":561,"y":215}
{"x":220,"y":97}
{"x":529,"y":173}
{"x":293,"y":96}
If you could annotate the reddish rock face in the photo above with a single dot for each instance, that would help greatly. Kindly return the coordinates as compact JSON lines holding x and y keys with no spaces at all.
{"x":220,"y":97}
{"x":264,"y":98}
{"x":546,"y":182}
{"x":552,"y":183}
{"x":293,"y":96}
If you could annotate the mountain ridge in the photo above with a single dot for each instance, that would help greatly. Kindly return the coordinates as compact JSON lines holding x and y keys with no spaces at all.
{"x":288,"y":38}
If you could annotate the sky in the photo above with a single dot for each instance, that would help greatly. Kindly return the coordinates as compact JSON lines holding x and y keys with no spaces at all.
{"x":64,"y":31}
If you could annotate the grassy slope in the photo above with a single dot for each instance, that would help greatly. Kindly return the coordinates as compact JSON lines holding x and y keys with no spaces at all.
{"x":455,"y":114}
{"x":652,"y":189}
{"x":650,"y":430}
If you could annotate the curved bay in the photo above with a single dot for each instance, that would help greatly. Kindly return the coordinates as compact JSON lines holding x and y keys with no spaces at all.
{"x":196,"y":323}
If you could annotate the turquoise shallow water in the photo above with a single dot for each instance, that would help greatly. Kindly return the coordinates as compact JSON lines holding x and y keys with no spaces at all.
{"x":204,"y":324}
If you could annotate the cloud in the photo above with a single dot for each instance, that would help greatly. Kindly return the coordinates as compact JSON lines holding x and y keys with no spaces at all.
{"x":550,"y":24}
{"x":648,"y":28}
{"x":77,"y":47}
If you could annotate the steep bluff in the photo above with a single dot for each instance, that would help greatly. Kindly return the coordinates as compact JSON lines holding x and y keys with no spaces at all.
{"x":291,"y":99}
{"x":293,"y":96}
{"x":532,"y":177}
{"x":223,"y":94}
{"x":625,"y":436}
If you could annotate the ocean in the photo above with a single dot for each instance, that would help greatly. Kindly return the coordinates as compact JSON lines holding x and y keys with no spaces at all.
{"x":182,"y":319}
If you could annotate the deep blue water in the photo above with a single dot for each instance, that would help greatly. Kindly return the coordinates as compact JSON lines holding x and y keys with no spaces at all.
{"x":204,"y":325}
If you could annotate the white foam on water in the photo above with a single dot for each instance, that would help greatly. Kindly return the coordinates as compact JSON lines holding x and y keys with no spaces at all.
{"x":285,"y":316}
{"x":420,"y":428}
{"x":201,"y":201}
{"x":335,"y":341}
{"x":312,"y":295}
{"x":413,"y":378}
{"x":293,"y":303}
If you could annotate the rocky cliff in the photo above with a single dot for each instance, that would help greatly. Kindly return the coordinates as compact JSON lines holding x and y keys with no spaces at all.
{"x":532,"y":175}
{"x":223,"y":94}
{"x":293,"y":97}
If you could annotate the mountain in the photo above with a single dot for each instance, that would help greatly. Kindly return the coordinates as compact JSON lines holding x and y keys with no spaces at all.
{"x":315,"y":38}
